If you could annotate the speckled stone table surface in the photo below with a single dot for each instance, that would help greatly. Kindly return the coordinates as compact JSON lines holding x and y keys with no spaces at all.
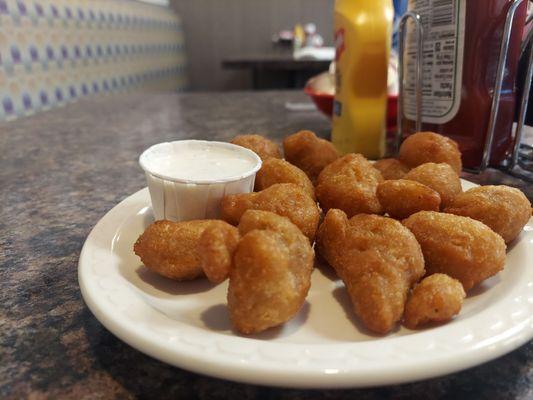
{"x":60,"y":171}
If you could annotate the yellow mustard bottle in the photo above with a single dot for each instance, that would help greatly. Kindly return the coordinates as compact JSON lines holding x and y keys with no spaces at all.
{"x":363,"y":34}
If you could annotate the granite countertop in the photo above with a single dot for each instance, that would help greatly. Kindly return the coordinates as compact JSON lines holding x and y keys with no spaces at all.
{"x":60,"y":172}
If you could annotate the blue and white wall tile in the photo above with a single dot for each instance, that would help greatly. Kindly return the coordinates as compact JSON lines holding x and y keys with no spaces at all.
{"x":55,"y":51}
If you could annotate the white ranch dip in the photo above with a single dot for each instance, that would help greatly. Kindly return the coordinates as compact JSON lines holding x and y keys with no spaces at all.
{"x":200,"y":161}
{"x":188,"y":178}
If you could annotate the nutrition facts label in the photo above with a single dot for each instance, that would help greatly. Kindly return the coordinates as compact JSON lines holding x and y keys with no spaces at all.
{"x":443,"y":22}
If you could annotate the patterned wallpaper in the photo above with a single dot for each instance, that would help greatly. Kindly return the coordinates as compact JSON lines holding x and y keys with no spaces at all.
{"x":55,"y":51}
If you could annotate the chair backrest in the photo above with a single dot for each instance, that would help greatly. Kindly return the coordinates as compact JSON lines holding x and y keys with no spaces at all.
{"x":55,"y":51}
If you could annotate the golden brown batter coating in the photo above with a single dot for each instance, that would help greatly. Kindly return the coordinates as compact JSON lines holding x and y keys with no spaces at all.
{"x":460,"y":247}
{"x":215,"y":248}
{"x":391,"y":168}
{"x":271,"y":274}
{"x":437,"y":298}
{"x":377,"y":258}
{"x":280,"y":171}
{"x":439,"y":177}
{"x":425,"y":147}
{"x":309,"y":153}
{"x":504,"y":209}
{"x":170,"y":248}
{"x":260,"y":145}
{"x":285,"y":199}
{"x":349,"y":184}
{"x":401,"y":198}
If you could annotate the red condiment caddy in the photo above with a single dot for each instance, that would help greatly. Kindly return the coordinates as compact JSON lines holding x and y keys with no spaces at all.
{"x":466,"y":87}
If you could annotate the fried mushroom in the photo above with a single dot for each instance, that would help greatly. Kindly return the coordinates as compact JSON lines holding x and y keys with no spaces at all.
{"x":271,"y":272}
{"x":280,"y":171}
{"x":378,"y":260}
{"x":401,"y":198}
{"x":260,"y":145}
{"x":309,"y":153}
{"x":391,"y":168}
{"x":285,"y":199}
{"x":436,"y":299}
{"x":170,"y":248}
{"x":504,"y":209}
{"x":439,"y":177}
{"x":349,"y":184}
{"x":425,"y":147}
{"x":460,"y":247}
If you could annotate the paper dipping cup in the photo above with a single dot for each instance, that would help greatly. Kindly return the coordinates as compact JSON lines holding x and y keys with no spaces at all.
{"x":179,"y":199}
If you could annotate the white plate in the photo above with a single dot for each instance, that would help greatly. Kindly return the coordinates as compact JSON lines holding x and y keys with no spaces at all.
{"x":186,"y":324}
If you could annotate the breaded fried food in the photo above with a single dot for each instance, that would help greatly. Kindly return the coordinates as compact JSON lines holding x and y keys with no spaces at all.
{"x":401,"y":198}
{"x":391,"y":168}
{"x":439,"y":177}
{"x":460,"y":247}
{"x":377,"y":258}
{"x":437,"y":298}
{"x":504,"y":209}
{"x":215,"y":248}
{"x":349,"y":184}
{"x":260,"y":145}
{"x":170,"y":248}
{"x":275,"y":170}
{"x":271,"y":274}
{"x":309,"y":153}
{"x":426,"y":147}
{"x":285,"y":199}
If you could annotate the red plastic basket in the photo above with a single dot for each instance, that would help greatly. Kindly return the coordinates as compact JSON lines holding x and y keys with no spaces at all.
{"x":324,"y":102}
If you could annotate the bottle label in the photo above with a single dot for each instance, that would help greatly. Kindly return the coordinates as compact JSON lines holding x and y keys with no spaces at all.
{"x":444,"y":32}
